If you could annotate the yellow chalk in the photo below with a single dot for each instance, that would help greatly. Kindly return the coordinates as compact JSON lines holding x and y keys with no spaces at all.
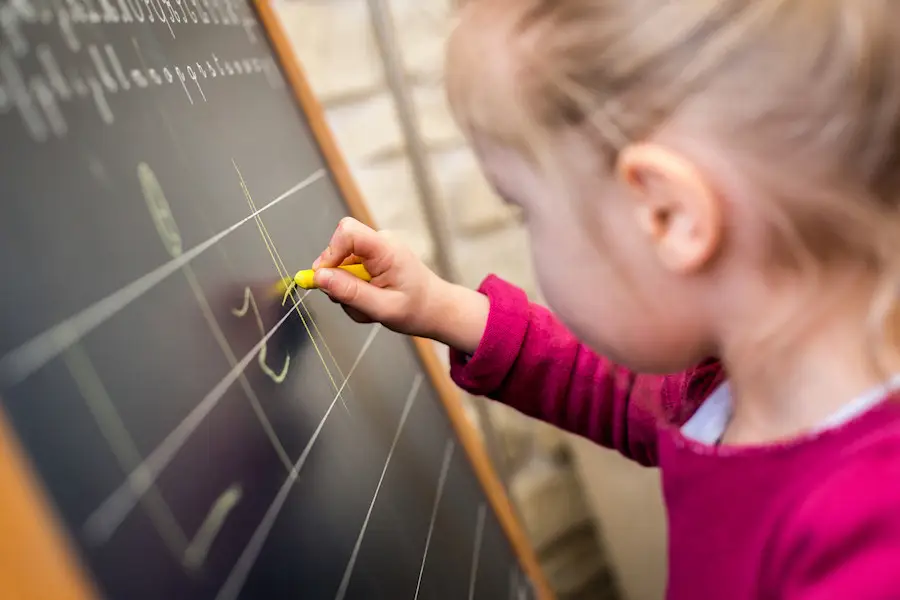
{"x":306,"y":279}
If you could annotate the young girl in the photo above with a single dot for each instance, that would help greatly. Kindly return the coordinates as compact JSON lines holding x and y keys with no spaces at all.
{"x":712,"y":189}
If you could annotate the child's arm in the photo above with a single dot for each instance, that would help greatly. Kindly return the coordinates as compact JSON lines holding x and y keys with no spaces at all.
{"x":507,"y":348}
{"x":530,"y":361}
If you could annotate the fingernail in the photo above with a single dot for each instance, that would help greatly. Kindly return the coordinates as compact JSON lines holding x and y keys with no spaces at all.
{"x":322,"y":278}
{"x":317,"y":262}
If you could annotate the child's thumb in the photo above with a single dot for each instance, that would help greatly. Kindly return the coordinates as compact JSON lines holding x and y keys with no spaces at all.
{"x":350,"y":291}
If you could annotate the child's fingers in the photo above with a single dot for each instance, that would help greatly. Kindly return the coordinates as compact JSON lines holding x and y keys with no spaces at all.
{"x":351,"y":238}
{"x":356,"y":315}
{"x":354,"y":293}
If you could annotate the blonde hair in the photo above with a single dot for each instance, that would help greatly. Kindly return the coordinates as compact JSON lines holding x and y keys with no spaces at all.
{"x":809,"y":86}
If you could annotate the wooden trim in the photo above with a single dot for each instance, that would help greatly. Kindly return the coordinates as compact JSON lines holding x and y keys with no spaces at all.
{"x":448,"y":393}
{"x":36,"y":560}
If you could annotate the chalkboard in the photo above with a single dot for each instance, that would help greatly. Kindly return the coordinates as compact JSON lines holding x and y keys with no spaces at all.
{"x":169,"y":429}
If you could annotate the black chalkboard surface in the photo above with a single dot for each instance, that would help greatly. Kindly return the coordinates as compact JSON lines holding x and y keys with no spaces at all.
{"x":194,"y":438}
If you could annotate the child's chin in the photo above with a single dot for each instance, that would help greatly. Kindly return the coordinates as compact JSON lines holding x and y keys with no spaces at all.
{"x":648,"y":360}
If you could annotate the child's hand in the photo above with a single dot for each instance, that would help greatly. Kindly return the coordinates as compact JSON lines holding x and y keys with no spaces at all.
{"x":404,"y":294}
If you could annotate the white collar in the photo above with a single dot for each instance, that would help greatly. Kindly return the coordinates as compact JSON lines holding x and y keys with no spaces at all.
{"x":708,"y":423}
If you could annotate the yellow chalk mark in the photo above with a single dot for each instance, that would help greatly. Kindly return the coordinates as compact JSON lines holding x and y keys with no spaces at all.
{"x":250,"y":302}
{"x":164,"y":220}
{"x":222,"y":341}
{"x":242,"y":311}
{"x":196,"y":553}
{"x":284,"y":275}
{"x":276,"y":377}
{"x":288,"y":293}
{"x":160,"y":210}
{"x":125,"y":451}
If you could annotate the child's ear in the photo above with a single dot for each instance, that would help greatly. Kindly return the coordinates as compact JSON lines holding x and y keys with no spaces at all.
{"x":676,"y":206}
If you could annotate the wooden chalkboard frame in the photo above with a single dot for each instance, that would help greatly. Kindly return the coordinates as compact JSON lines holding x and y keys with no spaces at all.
{"x":36,"y":557}
{"x":38,"y":560}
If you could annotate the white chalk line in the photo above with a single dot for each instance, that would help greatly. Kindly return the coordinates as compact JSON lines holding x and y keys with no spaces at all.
{"x":104,"y":521}
{"x":348,"y":572}
{"x":241,"y":570}
{"x":445,"y":469}
{"x":20,"y":363}
{"x":476,"y":553}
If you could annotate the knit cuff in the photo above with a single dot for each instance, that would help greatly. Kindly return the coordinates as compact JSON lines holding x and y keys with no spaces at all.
{"x":484,"y":372}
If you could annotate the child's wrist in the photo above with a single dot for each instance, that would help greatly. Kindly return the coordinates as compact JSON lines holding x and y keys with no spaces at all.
{"x":458,"y":317}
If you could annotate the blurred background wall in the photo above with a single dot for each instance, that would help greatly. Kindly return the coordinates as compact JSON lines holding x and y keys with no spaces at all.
{"x":595,"y":519}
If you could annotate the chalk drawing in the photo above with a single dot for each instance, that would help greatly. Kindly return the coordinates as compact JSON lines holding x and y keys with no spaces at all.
{"x":250,"y":302}
{"x":196,"y":553}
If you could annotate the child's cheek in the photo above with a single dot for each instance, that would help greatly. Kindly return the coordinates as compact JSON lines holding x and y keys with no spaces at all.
{"x":570,"y":285}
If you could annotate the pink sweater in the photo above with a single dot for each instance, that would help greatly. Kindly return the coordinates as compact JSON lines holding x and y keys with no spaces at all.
{"x":817,"y":518}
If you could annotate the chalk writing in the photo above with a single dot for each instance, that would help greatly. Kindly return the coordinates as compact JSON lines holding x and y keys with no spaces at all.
{"x":162,"y":216}
{"x":16,"y":13}
{"x":219,"y":335}
{"x":54,"y":74}
{"x":250,"y":302}
{"x":18,"y":364}
{"x":235,"y":581}
{"x":160,"y":210}
{"x":38,"y":94}
{"x":168,"y":231}
{"x":22,"y":97}
{"x":291,"y":288}
{"x":107,"y":518}
{"x":196,"y":553}
{"x":99,"y":97}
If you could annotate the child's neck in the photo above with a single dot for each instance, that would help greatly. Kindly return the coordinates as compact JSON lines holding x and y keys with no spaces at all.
{"x":780,"y":392}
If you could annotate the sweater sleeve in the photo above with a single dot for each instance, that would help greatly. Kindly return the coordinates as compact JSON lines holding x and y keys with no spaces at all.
{"x":528,"y":360}
{"x":844,"y":541}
